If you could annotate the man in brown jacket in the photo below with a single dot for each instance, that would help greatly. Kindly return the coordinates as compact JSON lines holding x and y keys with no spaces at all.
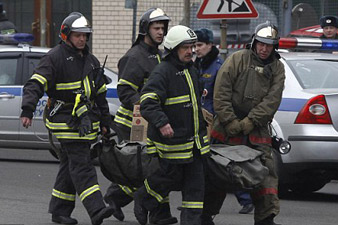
{"x":247,"y":94}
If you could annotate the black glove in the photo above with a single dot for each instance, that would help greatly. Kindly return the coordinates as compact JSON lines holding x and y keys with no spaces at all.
{"x":85,"y":126}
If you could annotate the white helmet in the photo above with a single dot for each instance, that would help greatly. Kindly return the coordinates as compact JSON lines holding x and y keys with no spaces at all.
{"x":179,"y":35}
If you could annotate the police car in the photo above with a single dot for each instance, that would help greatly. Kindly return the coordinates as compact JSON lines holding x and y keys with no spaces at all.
{"x":308,"y":115}
{"x":17,"y":62}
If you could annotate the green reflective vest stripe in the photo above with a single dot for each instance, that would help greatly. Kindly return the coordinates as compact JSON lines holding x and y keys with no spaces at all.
{"x":68,"y":86}
{"x":102,"y":89}
{"x":42,"y":80}
{"x":194,"y":106}
{"x":62,"y":195}
{"x":89,"y":191}
{"x":157,"y":196}
{"x":64,"y":126}
{"x":86,"y":85}
{"x":179,"y":147}
{"x":74,"y":135}
{"x":177,"y":100}
{"x":124,"y":116}
{"x":192,"y":205}
{"x":123,"y":81}
{"x":165,"y":200}
{"x":81,"y":110}
{"x":149,"y":95}
{"x":176,"y":155}
{"x":128,"y":190}
{"x":205,"y":149}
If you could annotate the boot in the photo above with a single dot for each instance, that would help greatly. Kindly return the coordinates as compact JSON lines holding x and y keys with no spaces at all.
{"x":63,"y":219}
{"x":246,"y":209}
{"x":162,"y":215}
{"x":118,"y":214}
{"x":267,"y":221}
{"x":140,"y":212}
{"x":102,"y":214}
{"x":207,"y":220}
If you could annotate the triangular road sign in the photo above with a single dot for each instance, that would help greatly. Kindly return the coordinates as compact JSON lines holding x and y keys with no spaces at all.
{"x":227,"y":9}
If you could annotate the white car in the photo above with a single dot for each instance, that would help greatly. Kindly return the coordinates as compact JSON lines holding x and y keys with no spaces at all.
{"x":16,"y":67}
{"x":308,"y":119}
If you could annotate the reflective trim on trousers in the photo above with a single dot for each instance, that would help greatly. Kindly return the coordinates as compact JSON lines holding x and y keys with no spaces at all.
{"x":89,"y":191}
{"x":64,"y":196}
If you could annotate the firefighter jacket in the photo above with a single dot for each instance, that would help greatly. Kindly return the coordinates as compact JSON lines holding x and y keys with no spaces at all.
{"x":134,"y":70}
{"x":208,"y":67}
{"x":173,"y":95}
{"x":75,"y":87}
{"x":246,"y":86}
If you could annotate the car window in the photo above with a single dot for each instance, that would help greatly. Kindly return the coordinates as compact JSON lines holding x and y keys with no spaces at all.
{"x":8,"y":71}
{"x":315,"y":73}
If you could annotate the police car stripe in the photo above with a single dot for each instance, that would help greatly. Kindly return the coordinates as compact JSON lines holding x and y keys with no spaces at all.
{"x":292,"y":104}
{"x":287,"y":104}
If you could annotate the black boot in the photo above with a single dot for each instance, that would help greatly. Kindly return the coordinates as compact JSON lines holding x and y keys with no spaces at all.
{"x":118,"y":214}
{"x":102,"y":214}
{"x":207,"y":220}
{"x":140,"y":212}
{"x":162,"y":215}
{"x":63,"y":219}
{"x":267,"y":221}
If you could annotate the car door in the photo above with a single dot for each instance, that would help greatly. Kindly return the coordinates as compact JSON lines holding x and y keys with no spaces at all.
{"x":36,"y":134}
{"x":10,"y":96}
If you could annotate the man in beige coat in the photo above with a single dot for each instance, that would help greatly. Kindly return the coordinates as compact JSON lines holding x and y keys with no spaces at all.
{"x":247,"y":94}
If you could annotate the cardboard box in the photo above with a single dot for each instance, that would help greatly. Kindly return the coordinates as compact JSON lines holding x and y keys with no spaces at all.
{"x":139,"y":126}
{"x":209,"y":118}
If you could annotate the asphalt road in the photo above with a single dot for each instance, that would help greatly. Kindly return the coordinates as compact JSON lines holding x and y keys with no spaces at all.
{"x":26,"y":188}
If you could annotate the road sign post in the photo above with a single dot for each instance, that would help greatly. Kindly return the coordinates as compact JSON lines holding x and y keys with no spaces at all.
{"x":226,"y":9}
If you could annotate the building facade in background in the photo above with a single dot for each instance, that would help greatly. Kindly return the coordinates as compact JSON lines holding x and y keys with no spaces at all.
{"x":113,"y":20}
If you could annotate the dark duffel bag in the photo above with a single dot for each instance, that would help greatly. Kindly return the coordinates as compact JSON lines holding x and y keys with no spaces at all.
{"x":235,"y":168}
{"x":127,"y":163}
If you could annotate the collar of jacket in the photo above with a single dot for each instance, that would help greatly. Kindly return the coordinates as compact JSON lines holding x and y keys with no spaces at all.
{"x":149,"y":48}
{"x":72,"y":50}
{"x":173,"y":58}
{"x":206,"y":61}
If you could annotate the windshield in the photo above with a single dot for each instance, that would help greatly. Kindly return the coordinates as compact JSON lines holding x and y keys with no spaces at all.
{"x":315,"y":73}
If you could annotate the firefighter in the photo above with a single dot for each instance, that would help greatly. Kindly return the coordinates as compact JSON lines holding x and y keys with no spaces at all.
{"x":6,"y":26}
{"x":330,"y":27}
{"x":177,"y":134}
{"x":77,"y":109}
{"x":247,"y":94}
{"x":134,"y":69}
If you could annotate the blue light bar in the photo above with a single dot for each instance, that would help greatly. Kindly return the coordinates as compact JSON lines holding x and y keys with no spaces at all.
{"x":16,"y":38}
{"x":328,"y":44}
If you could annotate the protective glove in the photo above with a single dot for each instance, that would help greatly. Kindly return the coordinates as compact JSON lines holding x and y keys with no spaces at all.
{"x":233,"y":128}
{"x":247,"y":125}
{"x":85,"y":126}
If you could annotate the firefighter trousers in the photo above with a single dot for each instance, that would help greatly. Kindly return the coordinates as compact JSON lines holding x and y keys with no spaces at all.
{"x":76,"y":174}
{"x":264,"y":197}
{"x":123,"y":195}
{"x":187,"y":178}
